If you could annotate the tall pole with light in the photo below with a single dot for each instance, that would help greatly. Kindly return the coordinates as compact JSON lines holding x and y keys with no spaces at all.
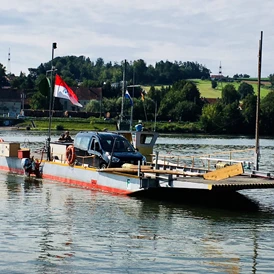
{"x":131,"y":112}
{"x":54,"y":46}
{"x":123,"y":91}
{"x":23,"y":97}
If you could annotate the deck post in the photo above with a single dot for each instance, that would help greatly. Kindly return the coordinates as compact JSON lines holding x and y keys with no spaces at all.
{"x":156,"y":160}
{"x":170,"y":180}
{"x":139,"y":169}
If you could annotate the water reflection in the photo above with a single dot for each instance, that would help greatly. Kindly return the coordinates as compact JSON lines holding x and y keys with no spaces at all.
{"x":48,"y":227}
{"x":70,"y":230}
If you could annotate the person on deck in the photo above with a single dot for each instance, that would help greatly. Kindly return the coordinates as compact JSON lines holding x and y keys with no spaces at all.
{"x":65,"y":137}
{"x":139,"y":126}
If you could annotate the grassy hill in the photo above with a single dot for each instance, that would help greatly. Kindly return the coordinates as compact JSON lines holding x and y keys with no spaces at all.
{"x":207,"y":91}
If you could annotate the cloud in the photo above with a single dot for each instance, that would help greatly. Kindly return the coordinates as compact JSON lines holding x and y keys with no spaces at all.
{"x":208,"y":32}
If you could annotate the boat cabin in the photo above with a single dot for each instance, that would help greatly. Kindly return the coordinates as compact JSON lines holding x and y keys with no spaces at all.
{"x":143,"y":141}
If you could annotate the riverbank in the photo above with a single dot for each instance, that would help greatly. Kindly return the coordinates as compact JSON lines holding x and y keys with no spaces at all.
{"x":76,"y":124}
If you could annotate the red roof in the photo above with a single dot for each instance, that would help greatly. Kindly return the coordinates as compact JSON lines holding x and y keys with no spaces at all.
{"x":84,"y":93}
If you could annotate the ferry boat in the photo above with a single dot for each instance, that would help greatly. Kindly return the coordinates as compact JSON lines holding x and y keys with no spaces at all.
{"x":88,"y":163}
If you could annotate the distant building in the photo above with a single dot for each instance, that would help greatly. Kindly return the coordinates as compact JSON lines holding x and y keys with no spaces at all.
{"x":216,"y":77}
{"x":118,"y":84}
{"x":10,"y":102}
{"x":84,"y":96}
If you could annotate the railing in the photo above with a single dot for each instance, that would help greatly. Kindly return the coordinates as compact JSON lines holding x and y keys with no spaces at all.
{"x":207,"y":161}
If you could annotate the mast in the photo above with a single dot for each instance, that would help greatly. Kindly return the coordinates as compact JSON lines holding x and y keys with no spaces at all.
{"x":54,"y":46}
{"x":131,"y":112}
{"x":257,"y":145}
{"x":123,"y":90}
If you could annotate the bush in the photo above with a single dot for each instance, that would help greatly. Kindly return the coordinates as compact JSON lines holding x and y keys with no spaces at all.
{"x":59,"y":127}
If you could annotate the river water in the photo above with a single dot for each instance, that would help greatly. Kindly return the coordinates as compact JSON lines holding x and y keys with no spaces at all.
{"x":48,"y":227}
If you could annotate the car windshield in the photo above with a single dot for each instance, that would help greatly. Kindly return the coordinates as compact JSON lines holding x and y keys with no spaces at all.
{"x":120,"y":144}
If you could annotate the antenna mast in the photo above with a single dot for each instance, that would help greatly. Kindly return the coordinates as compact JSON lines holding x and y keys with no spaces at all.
{"x":221,"y":75}
{"x":8,"y":68}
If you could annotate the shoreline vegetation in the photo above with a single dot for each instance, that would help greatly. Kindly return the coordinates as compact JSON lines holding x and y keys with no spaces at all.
{"x":97,"y":124}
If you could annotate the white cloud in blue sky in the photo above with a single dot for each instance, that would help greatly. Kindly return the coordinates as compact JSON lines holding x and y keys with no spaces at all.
{"x":206,"y":31}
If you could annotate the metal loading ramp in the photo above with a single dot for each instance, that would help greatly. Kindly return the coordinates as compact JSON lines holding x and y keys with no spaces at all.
{"x":230,"y":184}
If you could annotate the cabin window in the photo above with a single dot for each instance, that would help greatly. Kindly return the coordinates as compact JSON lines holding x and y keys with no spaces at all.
{"x":146,"y":139}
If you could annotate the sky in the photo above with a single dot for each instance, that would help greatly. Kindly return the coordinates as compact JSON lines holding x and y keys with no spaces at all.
{"x":210,"y":32}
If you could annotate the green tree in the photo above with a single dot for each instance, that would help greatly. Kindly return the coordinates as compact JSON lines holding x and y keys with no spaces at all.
{"x":230,"y":94}
{"x":214,"y":84}
{"x":245,"y":89}
{"x":93,"y":106}
{"x":111,"y":105}
{"x":267,"y":114}
{"x":232,"y":118}
{"x":185,"y":111}
{"x":212,"y":118}
{"x":249,"y":112}
{"x":3,"y":77}
{"x":271,"y":79}
{"x":39,"y":101}
{"x":172,"y":104}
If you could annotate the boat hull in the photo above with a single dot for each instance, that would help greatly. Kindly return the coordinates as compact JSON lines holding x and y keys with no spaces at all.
{"x":85,"y":177}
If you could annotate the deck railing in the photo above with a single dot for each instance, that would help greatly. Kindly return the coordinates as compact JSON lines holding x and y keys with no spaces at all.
{"x":207,"y":161}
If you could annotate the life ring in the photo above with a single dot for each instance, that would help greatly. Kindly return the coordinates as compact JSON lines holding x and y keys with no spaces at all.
{"x":1,"y":140}
{"x":70,"y":154}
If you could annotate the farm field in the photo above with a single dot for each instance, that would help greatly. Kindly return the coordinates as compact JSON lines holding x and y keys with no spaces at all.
{"x":207,"y":91}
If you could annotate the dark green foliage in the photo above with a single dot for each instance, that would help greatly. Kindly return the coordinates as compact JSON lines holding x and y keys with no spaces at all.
{"x":59,"y":127}
{"x":249,"y":113}
{"x":82,"y":69}
{"x":214,"y":84}
{"x":222,"y":118}
{"x":3,"y":78}
{"x":44,"y":86}
{"x":179,"y":100}
{"x":182,"y":102}
{"x":245,"y":89}
{"x":39,"y":101}
{"x":271,"y":79}
{"x":267,"y":114}
{"x":212,"y":118}
{"x":230,"y":94}
{"x":232,"y":118}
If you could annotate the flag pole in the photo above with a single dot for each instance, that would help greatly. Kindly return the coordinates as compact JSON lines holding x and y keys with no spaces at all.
{"x":123,"y":90}
{"x":257,"y":141}
{"x":54,"y":46}
{"x":131,"y":112}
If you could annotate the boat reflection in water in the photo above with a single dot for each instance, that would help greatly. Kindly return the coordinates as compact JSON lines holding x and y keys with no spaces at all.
{"x":72,"y":230}
{"x":230,"y":200}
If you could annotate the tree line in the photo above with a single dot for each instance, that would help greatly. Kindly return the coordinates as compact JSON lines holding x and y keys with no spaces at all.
{"x":177,"y":100}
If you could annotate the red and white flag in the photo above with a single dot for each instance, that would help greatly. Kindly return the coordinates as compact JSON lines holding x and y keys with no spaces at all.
{"x":62,"y":90}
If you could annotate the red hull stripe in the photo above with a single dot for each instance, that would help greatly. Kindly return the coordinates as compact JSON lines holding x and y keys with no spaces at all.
{"x":12,"y":170}
{"x":92,"y":185}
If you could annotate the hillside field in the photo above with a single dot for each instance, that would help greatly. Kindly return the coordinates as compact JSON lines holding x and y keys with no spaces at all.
{"x":207,"y":91}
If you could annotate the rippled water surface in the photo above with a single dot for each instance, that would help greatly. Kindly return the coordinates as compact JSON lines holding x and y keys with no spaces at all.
{"x":48,"y":227}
